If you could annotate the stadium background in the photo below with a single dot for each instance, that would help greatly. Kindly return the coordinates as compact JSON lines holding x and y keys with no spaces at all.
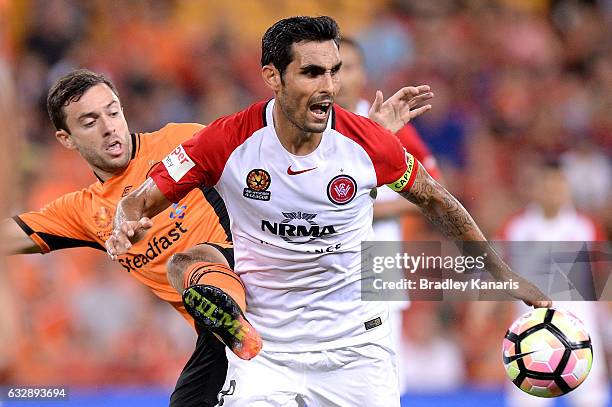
{"x":515,"y":81}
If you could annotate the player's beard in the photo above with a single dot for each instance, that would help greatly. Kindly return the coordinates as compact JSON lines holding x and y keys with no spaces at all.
{"x":97,"y":161}
{"x":298,"y":115}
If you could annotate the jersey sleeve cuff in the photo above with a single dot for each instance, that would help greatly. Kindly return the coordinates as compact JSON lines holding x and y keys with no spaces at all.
{"x":44,"y":247}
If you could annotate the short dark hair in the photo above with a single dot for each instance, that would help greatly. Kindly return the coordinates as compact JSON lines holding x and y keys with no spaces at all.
{"x":69,"y":88}
{"x":278,"y":39}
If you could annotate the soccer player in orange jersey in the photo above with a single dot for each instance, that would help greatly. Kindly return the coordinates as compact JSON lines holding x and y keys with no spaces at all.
{"x":87,"y":113}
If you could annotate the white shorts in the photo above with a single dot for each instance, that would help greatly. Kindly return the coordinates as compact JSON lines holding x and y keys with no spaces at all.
{"x":362,"y":375}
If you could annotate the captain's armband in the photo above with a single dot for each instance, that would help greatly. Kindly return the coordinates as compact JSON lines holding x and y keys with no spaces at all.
{"x":407,"y":179}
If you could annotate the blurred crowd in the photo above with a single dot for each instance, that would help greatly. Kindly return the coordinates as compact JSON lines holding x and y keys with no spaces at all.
{"x":515,"y":81}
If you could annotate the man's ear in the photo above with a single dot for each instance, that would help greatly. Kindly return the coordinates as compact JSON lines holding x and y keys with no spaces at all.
{"x":271,"y":77}
{"x":64,"y":138}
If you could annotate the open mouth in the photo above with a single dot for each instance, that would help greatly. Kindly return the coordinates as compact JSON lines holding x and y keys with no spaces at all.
{"x":319,"y":110}
{"x":114,"y":148}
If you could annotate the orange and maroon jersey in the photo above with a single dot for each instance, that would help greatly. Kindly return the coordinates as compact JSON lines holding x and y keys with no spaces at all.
{"x":85,"y":218}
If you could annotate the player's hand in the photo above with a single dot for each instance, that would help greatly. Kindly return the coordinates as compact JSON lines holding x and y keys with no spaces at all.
{"x":530,"y":294}
{"x":125,"y":235}
{"x":399,"y":109}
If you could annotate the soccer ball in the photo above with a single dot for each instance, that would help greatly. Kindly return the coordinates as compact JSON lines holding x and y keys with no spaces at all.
{"x":547,"y":352}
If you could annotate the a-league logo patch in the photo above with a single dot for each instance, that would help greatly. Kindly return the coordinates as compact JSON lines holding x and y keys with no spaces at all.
{"x":258,"y":181}
{"x":341,"y":189}
{"x":103,"y":218}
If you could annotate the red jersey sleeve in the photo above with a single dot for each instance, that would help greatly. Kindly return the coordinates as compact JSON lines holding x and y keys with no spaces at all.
{"x":200,"y":160}
{"x":394,"y":166}
{"x":415,"y":145}
{"x":60,"y":224}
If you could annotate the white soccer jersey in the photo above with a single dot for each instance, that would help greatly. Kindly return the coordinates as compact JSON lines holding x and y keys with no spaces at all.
{"x":297,"y":222}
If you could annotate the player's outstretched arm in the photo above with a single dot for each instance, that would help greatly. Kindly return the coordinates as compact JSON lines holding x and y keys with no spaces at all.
{"x":399,"y":109}
{"x":14,"y":240}
{"x":132,"y":218}
{"x":454,"y":221}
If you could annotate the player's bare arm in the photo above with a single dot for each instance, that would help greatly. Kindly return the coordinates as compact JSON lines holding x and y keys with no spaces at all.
{"x":15,"y":240}
{"x":133,"y":217}
{"x":399,"y":109}
{"x":454,"y":221}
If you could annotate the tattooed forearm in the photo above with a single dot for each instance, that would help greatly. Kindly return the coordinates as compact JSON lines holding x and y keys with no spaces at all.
{"x":453,"y":220}
{"x":442,"y":208}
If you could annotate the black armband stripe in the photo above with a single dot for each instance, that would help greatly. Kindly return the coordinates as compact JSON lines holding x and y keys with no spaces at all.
{"x":57,"y":242}
{"x":61,"y":242}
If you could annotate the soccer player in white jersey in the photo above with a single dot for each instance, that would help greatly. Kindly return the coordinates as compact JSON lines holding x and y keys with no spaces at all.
{"x":296,"y":174}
